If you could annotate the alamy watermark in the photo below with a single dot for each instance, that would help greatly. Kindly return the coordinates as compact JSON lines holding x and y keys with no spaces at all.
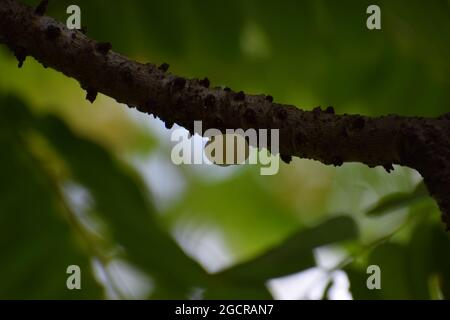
{"x":374,"y":20}
{"x":73,"y":22}
{"x":374,"y":280}
{"x":73,"y":281}
{"x":230,"y":148}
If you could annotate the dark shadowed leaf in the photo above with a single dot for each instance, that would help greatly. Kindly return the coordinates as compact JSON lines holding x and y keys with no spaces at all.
{"x":441,"y":260}
{"x":294,"y":254}
{"x":358,"y":284}
{"x":398,"y":200}
{"x":392,"y":260}
{"x":36,"y":243}
{"x":123,"y":205}
{"x":420,"y":265}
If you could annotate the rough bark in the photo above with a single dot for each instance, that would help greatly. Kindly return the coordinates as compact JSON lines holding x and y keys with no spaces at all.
{"x":419,"y":143}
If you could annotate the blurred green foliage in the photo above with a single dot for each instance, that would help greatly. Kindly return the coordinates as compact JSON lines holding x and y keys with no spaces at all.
{"x":307,"y":53}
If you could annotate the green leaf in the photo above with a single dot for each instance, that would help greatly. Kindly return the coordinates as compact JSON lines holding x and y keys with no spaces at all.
{"x":393,"y":262}
{"x":392,"y":259}
{"x":36,"y":242}
{"x":358,"y":284}
{"x":420,"y":260}
{"x":121,"y":202}
{"x":398,"y":200}
{"x":441,"y":260}
{"x":406,"y":270}
{"x":294,"y":254}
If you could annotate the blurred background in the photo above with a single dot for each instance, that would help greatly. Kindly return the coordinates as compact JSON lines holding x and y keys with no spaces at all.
{"x":94,"y":185}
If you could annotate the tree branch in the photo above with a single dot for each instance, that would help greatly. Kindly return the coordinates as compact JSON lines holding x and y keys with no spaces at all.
{"x":419,"y":143}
